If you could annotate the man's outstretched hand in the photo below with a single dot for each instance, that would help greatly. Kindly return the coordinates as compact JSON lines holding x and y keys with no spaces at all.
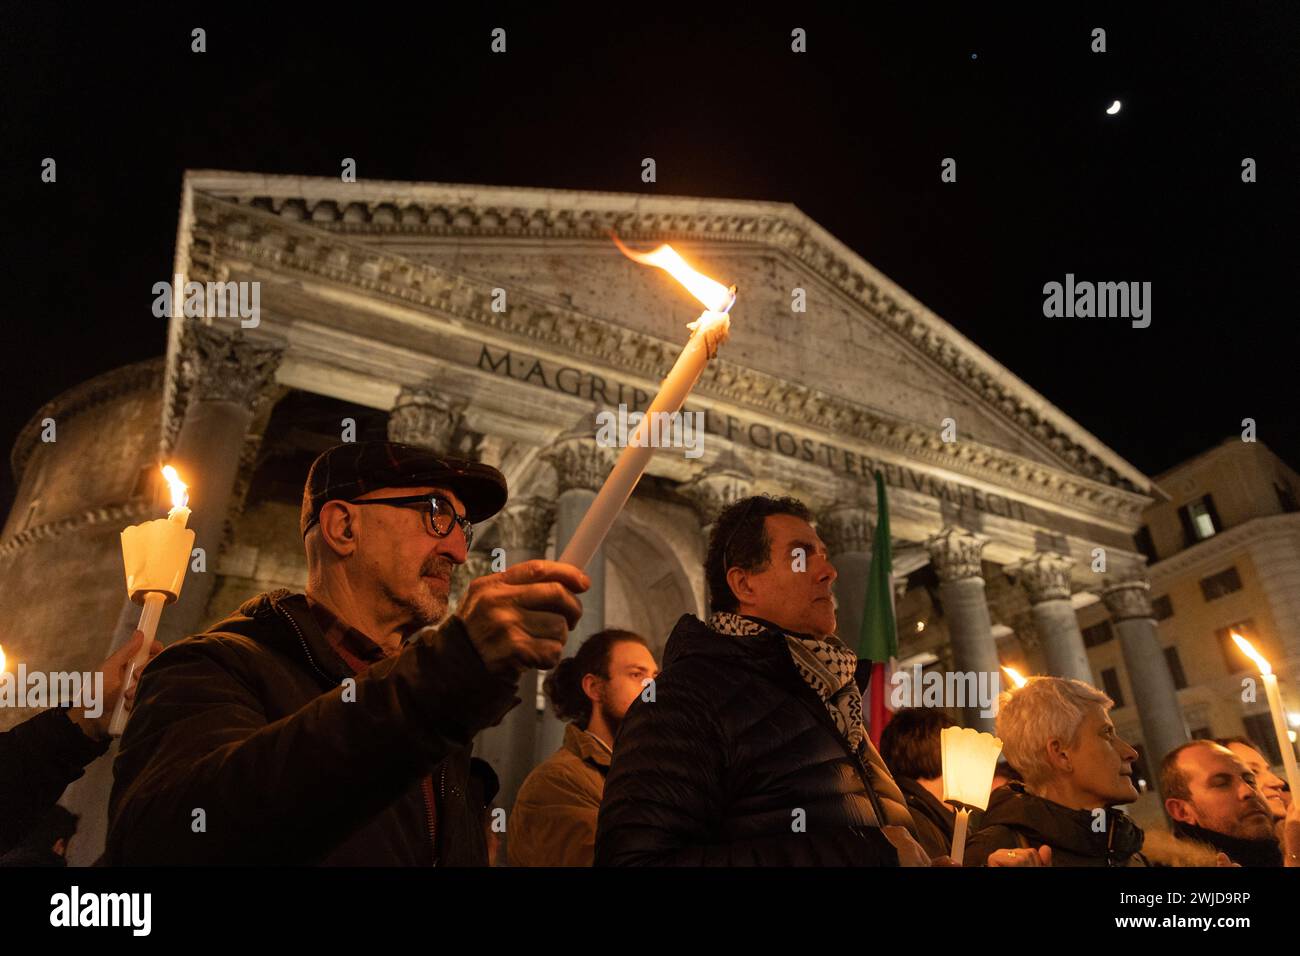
{"x":520,"y":618}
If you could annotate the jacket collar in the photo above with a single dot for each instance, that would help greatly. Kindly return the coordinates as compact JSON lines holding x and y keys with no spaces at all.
{"x":1263,"y":852}
{"x":1059,"y":826}
{"x":298,"y":635}
{"x":586,"y":746}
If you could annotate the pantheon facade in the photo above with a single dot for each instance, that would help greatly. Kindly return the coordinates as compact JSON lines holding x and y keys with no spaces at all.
{"x":492,"y":323}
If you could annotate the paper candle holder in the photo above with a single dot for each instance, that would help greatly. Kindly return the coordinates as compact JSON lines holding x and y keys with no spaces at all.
{"x":969,"y":761}
{"x":156,"y":555}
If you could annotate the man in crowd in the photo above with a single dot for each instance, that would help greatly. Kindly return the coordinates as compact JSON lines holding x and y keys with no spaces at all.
{"x":45,"y":753}
{"x":752,"y":750}
{"x":1272,"y":788}
{"x":1057,"y":733}
{"x":1216,"y":809}
{"x":334,"y":727}
{"x":911,"y":750}
{"x":554,"y":817}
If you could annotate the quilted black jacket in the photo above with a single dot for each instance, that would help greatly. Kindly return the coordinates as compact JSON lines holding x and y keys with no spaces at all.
{"x":248,"y":723}
{"x":736,"y":762}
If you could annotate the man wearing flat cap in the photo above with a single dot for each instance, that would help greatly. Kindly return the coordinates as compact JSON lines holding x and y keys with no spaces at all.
{"x":334,"y":727}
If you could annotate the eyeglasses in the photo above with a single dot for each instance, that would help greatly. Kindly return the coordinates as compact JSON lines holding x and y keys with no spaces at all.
{"x":439,"y":513}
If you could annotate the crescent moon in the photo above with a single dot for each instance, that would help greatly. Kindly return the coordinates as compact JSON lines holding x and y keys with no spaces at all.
{"x":1114,"y":108}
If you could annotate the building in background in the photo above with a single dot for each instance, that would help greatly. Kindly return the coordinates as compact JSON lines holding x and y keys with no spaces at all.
{"x":492,"y":322}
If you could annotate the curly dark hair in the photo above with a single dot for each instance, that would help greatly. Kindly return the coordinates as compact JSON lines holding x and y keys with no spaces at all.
{"x":739,"y":540}
{"x":909,"y":744}
{"x":563,"y":685}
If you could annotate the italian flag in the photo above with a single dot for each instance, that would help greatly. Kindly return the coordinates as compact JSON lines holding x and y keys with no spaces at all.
{"x":878,"y":641}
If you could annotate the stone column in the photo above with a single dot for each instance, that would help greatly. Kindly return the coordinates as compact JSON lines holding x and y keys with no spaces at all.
{"x":955,"y":553}
{"x":1163,"y":728}
{"x":847,"y":531}
{"x":224,"y":376}
{"x":581,"y":467}
{"x":1046,"y":577}
{"x":712,"y":490}
{"x":521,"y":530}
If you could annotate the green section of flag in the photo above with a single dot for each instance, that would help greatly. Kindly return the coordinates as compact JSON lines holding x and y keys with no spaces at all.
{"x":878,"y":640}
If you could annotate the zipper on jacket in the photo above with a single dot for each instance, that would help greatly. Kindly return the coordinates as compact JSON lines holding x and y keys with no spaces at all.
{"x":303,"y":641}
{"x":430,"y":818}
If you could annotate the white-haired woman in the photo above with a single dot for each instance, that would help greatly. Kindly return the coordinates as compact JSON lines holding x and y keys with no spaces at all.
{"x":1057,"y":732}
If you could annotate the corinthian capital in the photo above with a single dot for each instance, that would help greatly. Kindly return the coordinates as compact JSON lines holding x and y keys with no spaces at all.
{"x":845,"y":528}
{"x":955,"y":553}
{"x":721,"y":484}
{"x":222,"y":366}
{"x":524,"y":524}
{"x":1046,"y":576}
{"x":1127,"y":597}
{"x":425,"y":418}
{"x":579,"y":462}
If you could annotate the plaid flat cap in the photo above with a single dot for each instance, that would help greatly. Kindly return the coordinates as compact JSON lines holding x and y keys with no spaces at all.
{"x":351,"y":470}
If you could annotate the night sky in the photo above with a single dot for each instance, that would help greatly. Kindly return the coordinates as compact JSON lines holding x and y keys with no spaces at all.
{"x":852,"y":132}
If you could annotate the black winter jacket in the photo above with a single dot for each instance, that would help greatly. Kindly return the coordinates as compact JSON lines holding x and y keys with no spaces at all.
{"x":1017,"y":819}
{"x":249,"y":723}
{"x":736,"y":762}
{"x":38,"y":759}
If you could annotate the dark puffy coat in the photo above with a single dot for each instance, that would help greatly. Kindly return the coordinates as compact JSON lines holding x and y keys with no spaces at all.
{"x":249,"y":723}
{"x":1018,"y":819}
{"x":38,"y":759}
{"x":714,"y":770}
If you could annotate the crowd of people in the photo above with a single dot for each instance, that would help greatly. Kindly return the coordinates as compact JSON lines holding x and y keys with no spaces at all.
{"x":335,"y":726}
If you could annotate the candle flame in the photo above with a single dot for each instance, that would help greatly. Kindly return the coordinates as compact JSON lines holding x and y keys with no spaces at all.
{"x":179,"y":490}
{"x":1249,"y":650}
{"x":2,"y":659}
{"x":1015,"y":676}
{"x":713,"y":295}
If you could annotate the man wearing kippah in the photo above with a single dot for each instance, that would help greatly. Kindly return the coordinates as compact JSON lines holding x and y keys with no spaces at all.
{"x":334,"y":727}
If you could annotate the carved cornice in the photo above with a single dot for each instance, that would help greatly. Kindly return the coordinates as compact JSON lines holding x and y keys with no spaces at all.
{"x":1127,"y":597}
{"x":845,"y":528}
{"x":119,"y":515}
{"x":253,"y":234}
{"x":1045,"y":575}
{"x":146,"y":376}
{"x":524,"y":524}
{"x":955,"y":553}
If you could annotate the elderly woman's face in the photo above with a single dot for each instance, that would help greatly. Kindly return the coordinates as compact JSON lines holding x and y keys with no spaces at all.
{"x":1102,"y":763}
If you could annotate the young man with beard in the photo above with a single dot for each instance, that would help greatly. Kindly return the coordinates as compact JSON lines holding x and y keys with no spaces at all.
{"x":1057,"y":733}
{"x":1271,"y":787}
{"x":753,"y":750}
{"x":554,"y":818}
{"x":1216,"y":809}
{"x":334,"y":727}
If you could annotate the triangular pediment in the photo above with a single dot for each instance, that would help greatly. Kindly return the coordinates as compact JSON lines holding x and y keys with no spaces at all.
{"x":860,"y":338}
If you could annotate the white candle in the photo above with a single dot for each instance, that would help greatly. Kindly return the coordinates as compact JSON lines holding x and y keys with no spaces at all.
{"x":156,"y":555}
{"x":708,"y":332}
{"x":1274,"y":694}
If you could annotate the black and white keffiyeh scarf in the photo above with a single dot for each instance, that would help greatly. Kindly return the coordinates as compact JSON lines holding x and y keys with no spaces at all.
{"x":826,"y":665}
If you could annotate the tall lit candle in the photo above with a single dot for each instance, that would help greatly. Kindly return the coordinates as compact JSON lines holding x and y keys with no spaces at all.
{"x":1274,"y":694}
{"x":707,"y":333}
{"x":155,"y":554}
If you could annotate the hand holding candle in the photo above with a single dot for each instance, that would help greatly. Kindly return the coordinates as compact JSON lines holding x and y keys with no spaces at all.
{"x":707,"y":333}
{"x":156,"y":555}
